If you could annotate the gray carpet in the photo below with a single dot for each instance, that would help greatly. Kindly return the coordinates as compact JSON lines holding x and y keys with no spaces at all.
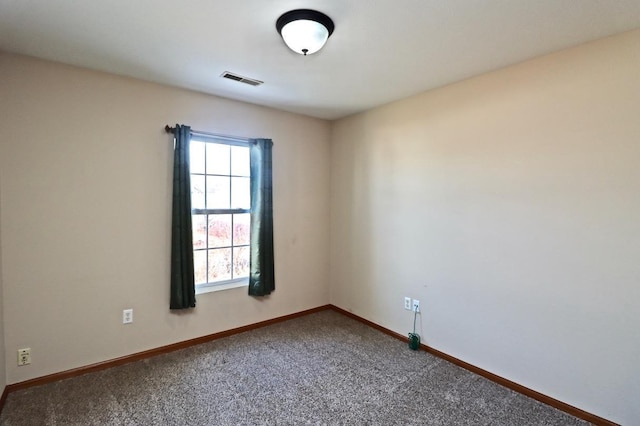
{"x":323,"y":368}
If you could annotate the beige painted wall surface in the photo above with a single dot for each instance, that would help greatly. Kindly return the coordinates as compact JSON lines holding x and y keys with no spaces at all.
{"x":3,"y":363}
{"x":509,"y":205}
{"x":86,"y":196}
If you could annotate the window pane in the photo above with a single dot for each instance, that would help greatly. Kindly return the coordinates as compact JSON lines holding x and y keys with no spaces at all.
{"x":217,"y":192}
{"x":219,"y":230}
{"x":219,"y":264}
{"x":240,"y":161}
{"x":199,"y":224}
{"x":240,"y":196}
{"x":196,"y":157}
{"x":241,"y":228}
{"x":217,"y":159}
{"x":197,"y":192}
{"x":240,"y":262}
{"x":200,"y":266}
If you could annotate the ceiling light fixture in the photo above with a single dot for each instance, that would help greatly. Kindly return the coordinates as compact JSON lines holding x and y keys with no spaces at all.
{"x":305,"y":31}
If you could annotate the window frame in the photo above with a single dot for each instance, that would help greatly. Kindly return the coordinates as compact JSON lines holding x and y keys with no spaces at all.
{"x":235,"y":282}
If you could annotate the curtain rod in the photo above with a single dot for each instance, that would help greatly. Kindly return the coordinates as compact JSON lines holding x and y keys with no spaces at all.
{"x":172,"y":130}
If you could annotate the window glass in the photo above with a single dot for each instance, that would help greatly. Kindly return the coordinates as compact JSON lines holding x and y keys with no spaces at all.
{"x":197,"y":191}
{"x":240,"y":196}
{"x":221,"y":219}
{"x":218,"y":159}
{"x":241,"y":224}
{"x":218,"y":192}
{"x":219,"y":265}
{"x":240,"y":161}
{"x":196,"y":157}
{"x":220,"y":230}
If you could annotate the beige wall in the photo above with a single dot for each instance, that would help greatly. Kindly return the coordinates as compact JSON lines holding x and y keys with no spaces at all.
{"x":3,"y":369}
{"x":85,"y":167}
{"x":509,"y":205}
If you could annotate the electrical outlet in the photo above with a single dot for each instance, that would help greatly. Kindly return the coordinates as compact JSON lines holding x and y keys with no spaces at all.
{"x":24,"y":356}
{"x":127,"y":316}
{"x":416,"y":305}
{"x":407,"y":303}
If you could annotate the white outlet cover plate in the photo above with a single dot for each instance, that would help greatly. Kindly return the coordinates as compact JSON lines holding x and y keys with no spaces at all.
{"x":127,"y":316}
{"x":24,"y":356}
{"x":407,"y":303}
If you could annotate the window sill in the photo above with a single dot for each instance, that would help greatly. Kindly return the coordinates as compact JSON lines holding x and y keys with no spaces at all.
{"x":202,"y":289}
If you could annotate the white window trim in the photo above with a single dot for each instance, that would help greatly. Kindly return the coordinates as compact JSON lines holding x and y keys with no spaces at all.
{"x":220,"y":286}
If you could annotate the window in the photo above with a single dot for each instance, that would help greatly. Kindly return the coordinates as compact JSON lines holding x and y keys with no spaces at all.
{"x":220,"y":207}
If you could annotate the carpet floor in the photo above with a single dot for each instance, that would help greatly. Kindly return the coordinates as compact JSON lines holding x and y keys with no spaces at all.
{"x":323,"y":368}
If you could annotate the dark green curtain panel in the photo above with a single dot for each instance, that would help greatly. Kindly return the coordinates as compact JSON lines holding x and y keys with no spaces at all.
{"x":261,"y":277}
{"x":183,"y":292}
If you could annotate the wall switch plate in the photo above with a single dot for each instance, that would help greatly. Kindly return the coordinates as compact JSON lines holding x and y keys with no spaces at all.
{"x":407,"y":303}
{"x":24,"y":356}
{"x":127,"y":316}
{"x":416,"y":305}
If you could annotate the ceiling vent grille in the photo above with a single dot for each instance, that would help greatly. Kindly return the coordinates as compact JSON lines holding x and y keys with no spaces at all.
{"x":241,"y":79}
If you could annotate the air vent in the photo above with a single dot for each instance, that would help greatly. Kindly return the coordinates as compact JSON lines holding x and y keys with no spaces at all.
{"x":241,"y":79}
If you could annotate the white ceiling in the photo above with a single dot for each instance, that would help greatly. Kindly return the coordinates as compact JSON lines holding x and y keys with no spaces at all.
{"x":381,"y":50}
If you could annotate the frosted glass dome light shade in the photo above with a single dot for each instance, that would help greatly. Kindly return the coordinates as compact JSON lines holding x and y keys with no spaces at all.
{"x":305,"y":31}
{"x":305,"y":37}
